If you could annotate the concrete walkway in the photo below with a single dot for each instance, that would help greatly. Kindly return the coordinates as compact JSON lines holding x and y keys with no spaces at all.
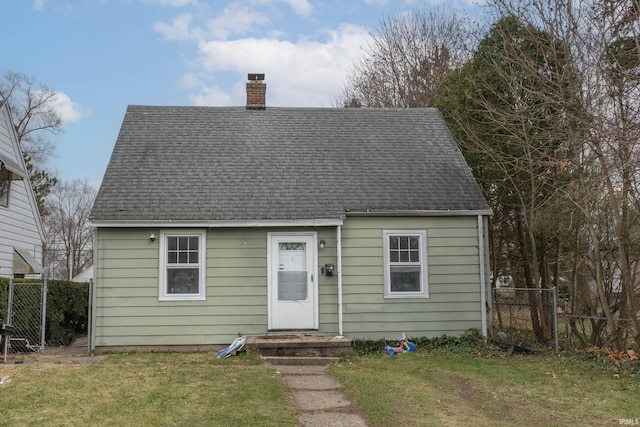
{"x":318,"y":397}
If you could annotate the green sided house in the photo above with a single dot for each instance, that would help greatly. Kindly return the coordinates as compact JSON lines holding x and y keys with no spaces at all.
{"x":213,"y":222}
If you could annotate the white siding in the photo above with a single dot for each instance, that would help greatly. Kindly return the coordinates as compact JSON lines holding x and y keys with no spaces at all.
{"x":20,"y":224}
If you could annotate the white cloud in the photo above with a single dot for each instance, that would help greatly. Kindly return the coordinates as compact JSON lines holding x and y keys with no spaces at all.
{"x":211,"y":96}
{"x":302,"y":73}
{"x":190,"y":80}
{"x":171,"y":3}
{"x":178,"y":29}
{"x":235,"y":19}
{"x":301,"y":7}
{"x":376,"y":2}
{"x":309,"y":71}
{"x":68,"y":110}
{"x":382,"y":3}
{"x":38,"y":5}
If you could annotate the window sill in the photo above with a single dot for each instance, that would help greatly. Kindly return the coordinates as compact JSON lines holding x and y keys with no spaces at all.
{"x":406,"y":296}
{"x":182,"y":298}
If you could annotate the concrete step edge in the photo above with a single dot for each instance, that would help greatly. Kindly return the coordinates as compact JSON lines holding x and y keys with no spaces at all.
{"x":300,"y":360}
{"x":299,"y":344}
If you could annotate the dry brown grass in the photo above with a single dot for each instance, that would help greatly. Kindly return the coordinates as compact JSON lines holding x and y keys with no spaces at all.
{"x":439,"y":389}
{"x":193,"y":389}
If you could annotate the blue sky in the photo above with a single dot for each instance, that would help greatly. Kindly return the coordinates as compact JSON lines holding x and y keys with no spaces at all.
{"x":102,"y":55}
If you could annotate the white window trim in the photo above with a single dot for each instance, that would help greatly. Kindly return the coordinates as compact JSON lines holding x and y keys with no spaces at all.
{"x":424,"y":274}
{"x":202,"y":257}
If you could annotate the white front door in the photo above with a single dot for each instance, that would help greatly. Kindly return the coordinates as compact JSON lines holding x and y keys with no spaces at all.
{"x":292,"y":284}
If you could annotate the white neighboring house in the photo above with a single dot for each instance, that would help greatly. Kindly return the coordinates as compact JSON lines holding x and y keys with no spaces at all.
{"x":84,"y":276}
{"x":21,"y":229}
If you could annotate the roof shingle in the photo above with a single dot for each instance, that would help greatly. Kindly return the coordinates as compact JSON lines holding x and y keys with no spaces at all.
{"x":219,"y":163}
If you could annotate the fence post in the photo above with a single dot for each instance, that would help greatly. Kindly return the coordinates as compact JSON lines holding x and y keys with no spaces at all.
{"x":43,"y":324}
{"x":9,"y":321}
{"x":555,"y":318}
{"x":10,"y":303}
{"x":566,"y":326}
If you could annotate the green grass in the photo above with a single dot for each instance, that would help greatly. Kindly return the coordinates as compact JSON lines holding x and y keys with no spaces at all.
{"x":441,"y":387}
{"x":436,"y":389}
{"x":152,"y":389}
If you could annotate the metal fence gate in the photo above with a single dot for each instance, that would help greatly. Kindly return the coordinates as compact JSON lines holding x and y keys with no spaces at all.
{"x":27,"y":313}
{"x":527,"y":315}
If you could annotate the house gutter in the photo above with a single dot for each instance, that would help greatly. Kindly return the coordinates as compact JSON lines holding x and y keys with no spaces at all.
{"x":415,"y":213}
{"x":483,"y":285}
{"x":339,"y":261}
{"x":320,"y":222}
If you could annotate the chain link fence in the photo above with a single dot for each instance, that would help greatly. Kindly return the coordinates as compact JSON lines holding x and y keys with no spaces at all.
{"x":586,"y":331}
{"x":26,"y":312}
{"x":526,"y":315}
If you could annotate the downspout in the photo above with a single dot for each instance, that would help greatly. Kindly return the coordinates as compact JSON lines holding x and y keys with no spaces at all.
{"x":483,"y":285}
{"x":339,"y":256}
{"x":91,"y":327}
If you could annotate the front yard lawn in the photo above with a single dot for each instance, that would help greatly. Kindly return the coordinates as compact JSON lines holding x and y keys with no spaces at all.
{"x":421,"y":389}
{"x":440,"y":389}
{"x":145,"y":389}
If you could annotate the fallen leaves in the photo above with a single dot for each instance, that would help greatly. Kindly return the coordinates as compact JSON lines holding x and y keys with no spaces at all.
{"x":619,"y":356}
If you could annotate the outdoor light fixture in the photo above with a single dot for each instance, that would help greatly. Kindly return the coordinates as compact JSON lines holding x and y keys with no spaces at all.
{"x":152,"y":236}
{"x":322,"y":242}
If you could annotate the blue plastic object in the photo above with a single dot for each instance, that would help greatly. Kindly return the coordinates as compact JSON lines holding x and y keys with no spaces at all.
{"x":236,"y":346}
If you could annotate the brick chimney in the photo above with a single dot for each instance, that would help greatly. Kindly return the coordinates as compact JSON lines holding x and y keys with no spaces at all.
{"x":256,"y":92}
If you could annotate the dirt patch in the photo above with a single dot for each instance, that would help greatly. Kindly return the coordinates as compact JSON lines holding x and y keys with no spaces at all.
{"x":463,"y":401}
{"x":74,"y":353}
{"x":79,"y":347}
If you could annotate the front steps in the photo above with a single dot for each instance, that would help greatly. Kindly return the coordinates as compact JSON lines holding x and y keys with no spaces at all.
{"x":301,"y":360}
{"x":300,"y":349}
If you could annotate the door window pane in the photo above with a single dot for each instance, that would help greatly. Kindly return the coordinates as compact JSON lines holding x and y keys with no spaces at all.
{"x":292,"y":285}
{"x":292,"y":271}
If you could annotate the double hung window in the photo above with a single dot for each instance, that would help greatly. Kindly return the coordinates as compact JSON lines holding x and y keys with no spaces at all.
{"x":182,"y":265}
{"x":405,"y":264}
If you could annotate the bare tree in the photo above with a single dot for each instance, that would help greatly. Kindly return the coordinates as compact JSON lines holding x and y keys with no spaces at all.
{"x":33,"y":114}
{"x":407,"y":58}
{"x":613,"y":82}
{"x":507,"y":108}
{"x":69,"y":232}
{"x":566,"y":143}
{"x":35,"y":118}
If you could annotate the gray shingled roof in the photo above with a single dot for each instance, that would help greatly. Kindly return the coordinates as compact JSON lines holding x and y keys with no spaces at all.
{"x":217,"y":163}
